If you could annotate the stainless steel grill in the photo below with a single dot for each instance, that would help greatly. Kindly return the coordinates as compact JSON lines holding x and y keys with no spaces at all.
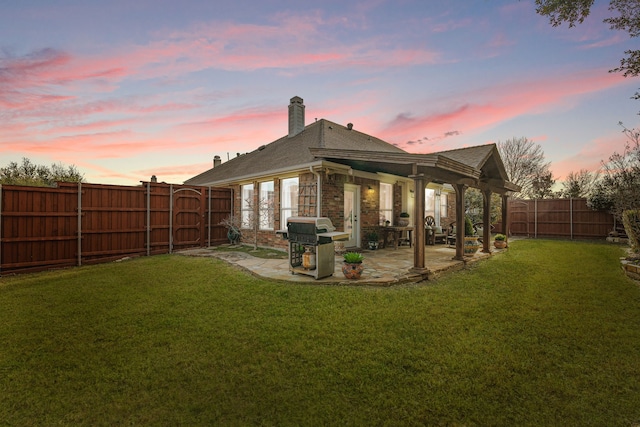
{"x":311,"y":250}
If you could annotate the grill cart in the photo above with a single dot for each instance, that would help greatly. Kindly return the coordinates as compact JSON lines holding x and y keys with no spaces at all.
{"x":311,"y":249}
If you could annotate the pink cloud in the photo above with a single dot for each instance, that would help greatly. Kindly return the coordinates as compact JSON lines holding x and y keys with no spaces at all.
{"x":451,"y":25}
{"x":497,"y":104}
{"x":169,"y":173}
{"x":500,"y":40}
{"x":52,"y":93}
{"x":590,"y":156}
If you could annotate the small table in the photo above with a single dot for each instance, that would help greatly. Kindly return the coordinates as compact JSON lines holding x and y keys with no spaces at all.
{"x":396,"y":235}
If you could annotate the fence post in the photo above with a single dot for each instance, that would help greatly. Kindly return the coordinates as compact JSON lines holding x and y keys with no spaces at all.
{"x":0,"y":229}
{"x":571,"y":217}
{"x":535,"y":218}
{"x":170,"y":218}
{"x":148,"y":218}
{"x":79,"y":223}
{"x":209,"y":219}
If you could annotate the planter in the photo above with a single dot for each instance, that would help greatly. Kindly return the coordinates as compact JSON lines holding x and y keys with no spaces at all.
{"x":499,"y":244}
{"x":631,"y":269}
{"x":471,"y":245}
{"x":352,"y":270}
{"x":233,"y":235}
{"x":403,"y":222}
{"x":373,"y":245}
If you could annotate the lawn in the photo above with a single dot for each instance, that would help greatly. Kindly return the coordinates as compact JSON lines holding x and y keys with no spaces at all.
{"x":545,"y":334}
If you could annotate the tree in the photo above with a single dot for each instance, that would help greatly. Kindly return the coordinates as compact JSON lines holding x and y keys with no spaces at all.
{"x":474,"y":203}
{"x":541,"y":186}
{"x":579,"y":184}
{"x":617,"y":191}
{"x":525,"y":165}
{"x":31,"y":174}
{"x":575,"y":11}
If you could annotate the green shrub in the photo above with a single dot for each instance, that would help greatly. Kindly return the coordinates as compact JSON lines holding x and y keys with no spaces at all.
{"x":500,"y":237}
{"x":468,"y":226}
{"x":353,"y":258}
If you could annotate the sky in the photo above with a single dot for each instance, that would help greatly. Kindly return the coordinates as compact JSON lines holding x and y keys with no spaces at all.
{"x":127,"y":89}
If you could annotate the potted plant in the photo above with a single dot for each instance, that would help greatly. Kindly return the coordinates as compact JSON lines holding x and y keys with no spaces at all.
{"x":404,"y":219}
{"x":232,"y":224}
{"x":500,"y":241}
{"x":471,"y":244}
{"x":352,"y":267}
{"x":372,"y":240}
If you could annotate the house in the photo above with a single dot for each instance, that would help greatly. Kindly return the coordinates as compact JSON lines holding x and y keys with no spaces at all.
{"x":357,"y":180}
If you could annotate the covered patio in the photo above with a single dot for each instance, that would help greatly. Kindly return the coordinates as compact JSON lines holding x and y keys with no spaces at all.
{"x":475,"y":167}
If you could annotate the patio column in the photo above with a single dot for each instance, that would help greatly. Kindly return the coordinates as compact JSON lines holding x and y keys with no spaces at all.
{"x":486,"y":221}
{"x":418,"y":214}
{"x":505,"y":217}
{"x":460,"y":190}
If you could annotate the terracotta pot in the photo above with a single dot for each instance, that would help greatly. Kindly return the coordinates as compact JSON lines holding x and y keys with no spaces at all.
{"x":499,"y":244}
{"x":352,"y":271}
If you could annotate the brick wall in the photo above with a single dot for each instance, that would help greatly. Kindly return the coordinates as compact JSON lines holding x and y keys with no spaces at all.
{"x":333,"y":199}
{"x":445,"y":221}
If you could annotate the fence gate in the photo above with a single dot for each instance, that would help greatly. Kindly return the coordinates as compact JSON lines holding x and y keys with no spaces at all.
{"x":187,"y":217}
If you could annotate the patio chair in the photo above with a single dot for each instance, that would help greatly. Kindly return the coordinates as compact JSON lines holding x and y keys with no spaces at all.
{"x":451,"y":234}
{"x":478,"y":228}
{"x":434,"y":232}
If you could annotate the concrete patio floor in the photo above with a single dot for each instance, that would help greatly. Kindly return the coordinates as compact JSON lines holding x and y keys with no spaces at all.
{"x":383,"y":267}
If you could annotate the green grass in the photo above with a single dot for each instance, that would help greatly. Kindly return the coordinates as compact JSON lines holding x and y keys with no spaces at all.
{"x":544,"y":334}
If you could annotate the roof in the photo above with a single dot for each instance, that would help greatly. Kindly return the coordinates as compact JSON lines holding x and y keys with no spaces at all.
{"x":486,"y":158}
{"x":289,"y":153}
{"x":479,"y":166}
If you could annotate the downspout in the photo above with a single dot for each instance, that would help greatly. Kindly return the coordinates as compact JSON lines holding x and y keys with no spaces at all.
{"x":318,"y":192}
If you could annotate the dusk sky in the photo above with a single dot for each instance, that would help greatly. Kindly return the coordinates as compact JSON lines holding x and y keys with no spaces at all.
{"x":128,"y":89}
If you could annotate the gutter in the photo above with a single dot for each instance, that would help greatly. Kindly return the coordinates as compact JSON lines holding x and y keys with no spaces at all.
{"x":272,"y":172}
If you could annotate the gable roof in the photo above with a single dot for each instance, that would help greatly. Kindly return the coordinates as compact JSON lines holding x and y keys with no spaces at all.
{"x":484,"y":158}
{"x":291,"y":153}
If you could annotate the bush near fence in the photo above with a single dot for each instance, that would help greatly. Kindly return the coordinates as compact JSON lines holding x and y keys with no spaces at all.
{"x":75,"y":224}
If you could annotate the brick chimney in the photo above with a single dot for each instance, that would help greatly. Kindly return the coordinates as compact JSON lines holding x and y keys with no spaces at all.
{"x":296,"y":116}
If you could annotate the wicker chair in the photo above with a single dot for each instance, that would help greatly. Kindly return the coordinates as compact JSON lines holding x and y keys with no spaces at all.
{"x":434,"y":233}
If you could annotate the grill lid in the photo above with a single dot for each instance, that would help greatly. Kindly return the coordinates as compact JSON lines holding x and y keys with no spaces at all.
{"x":309,"y":225}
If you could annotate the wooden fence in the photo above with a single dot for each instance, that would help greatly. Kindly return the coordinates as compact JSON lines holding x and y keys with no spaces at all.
{"x":558,"y":218}
{"x":77,"y":224}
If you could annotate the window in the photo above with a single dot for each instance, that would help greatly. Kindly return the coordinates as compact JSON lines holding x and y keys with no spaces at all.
{"x":443,"y":206}
{"x":429,"y":202}
{"x":386,"y":203}
{"x":266,"y":202}
{"x":288,"y":200}
{"x":247,"y":206}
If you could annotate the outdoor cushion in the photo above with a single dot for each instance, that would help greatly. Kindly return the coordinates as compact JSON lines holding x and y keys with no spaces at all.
{"x":438,"y":229}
